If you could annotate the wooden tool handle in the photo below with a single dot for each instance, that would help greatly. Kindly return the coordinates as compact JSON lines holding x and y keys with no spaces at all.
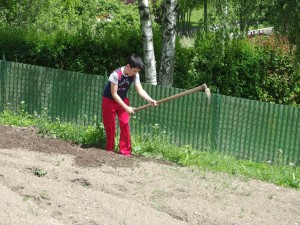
{"x":199,"y":88}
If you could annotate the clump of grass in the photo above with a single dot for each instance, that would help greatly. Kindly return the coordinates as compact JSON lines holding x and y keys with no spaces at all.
{"x":19,"y":118}
{"x":40,"y":172}
{"x":91,"y":135}
{"x":187,"y":42}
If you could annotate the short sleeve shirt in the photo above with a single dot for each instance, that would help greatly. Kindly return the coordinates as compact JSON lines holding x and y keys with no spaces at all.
{"x":123,"y":81}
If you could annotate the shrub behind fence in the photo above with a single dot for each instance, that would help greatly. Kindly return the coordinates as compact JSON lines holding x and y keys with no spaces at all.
{"x":244,"y":128}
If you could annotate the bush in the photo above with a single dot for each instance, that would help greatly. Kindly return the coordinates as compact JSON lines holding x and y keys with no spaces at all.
{"x":260,"y":69}
{"x":77,"y":37}
{"x":184,"y":67}
{"x":281,"y":81}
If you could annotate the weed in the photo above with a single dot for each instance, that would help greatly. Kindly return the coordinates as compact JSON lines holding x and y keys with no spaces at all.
{"x":44,"y":195}
{"x":40,"y":172}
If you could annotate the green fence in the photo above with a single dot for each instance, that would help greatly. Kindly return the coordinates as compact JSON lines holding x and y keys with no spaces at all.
{"x":244,"y":128}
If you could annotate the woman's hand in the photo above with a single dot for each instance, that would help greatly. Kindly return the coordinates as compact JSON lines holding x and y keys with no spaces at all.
{"x":129,"y":110}
{"x":152,"y":102}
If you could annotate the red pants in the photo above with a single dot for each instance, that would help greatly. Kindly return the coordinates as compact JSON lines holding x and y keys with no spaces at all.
{"x":109,"y":110}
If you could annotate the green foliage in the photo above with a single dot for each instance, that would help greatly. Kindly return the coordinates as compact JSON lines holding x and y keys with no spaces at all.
{"x":83,"y":135}
{"x":281,"y":81}
{"x":83,"y":36}
{"x":285,"y":18}
{"x":94,"y":136}
{"x":261,"y":68}
{"x":20,"y":118}
{"x":40,"y":172}
{"x":185,"y":75}
{"x":21,"y":12}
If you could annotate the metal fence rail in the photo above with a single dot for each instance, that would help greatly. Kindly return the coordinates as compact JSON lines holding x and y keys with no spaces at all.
{"x":244,"y":128}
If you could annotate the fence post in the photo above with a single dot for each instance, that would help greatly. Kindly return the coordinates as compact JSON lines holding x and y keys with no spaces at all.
{"x":2,"y":84}
{"x":215,"y":121}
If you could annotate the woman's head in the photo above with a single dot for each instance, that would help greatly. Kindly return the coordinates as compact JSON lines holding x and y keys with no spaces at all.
{"x":135,"y":61}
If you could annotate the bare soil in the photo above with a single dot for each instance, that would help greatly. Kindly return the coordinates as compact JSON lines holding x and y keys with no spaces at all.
{"x":90,"y":186}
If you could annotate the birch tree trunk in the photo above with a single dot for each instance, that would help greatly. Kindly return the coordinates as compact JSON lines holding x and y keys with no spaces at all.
{"x":149,"y":57}
{"x":166,"y":71}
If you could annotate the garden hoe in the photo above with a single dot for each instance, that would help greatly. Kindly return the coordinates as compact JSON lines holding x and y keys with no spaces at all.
{"x":196,"y":89}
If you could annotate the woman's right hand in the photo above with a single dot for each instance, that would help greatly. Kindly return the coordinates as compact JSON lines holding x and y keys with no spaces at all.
{"x":129,"y":110}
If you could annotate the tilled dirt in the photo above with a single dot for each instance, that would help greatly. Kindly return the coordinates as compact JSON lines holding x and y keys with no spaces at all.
{"x":48,"y":181}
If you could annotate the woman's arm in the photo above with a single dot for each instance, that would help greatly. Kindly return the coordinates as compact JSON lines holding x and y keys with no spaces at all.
{"x":117,"y":98}
{"x":140,"y":90}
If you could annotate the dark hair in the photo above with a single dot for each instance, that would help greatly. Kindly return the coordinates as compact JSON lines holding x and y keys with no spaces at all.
{"x":135,"y":61}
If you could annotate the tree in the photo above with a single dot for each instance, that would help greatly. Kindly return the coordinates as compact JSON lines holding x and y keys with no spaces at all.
{"x":205,"y":15}
{"x":147,"y":35}
{"x":166,"y":70}
{"x":246,"y":11}
{"x":285,"y":17}
{"x":21,"y":12}
{"x":185,"y":12}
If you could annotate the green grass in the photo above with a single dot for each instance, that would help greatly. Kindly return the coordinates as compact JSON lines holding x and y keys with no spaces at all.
{"x":196,"y":16}
{"x":157,"y":145}
{"x":92,"y":135}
